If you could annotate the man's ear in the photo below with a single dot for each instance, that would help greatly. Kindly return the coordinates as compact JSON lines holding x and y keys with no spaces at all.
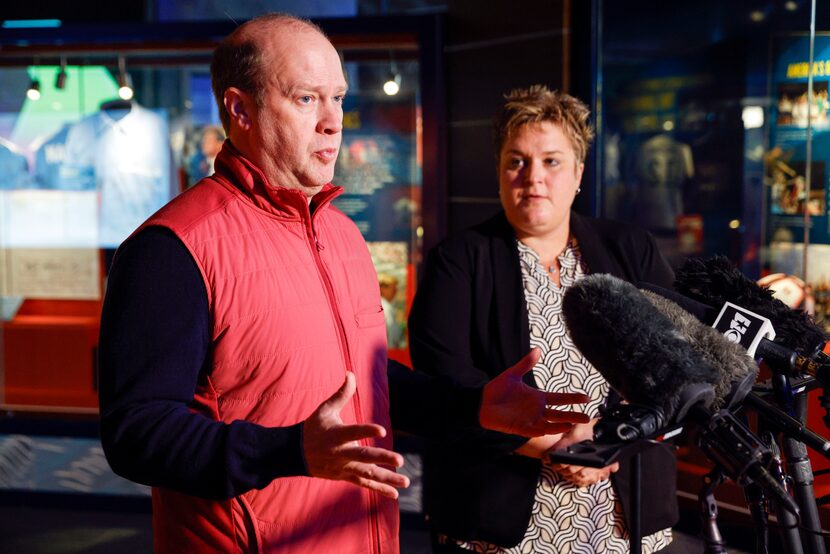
{"x":239,"y":105}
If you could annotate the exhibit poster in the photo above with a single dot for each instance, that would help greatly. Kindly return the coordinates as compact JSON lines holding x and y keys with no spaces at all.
{"x":380,"y":171}
{"x":49,"y":244}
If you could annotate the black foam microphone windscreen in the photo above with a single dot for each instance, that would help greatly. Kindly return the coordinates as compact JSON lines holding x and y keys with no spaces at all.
{"x":716,"y":281}
{"x":650,"y":362}
{"x":732,"y":362}
{"x":777,"y":356}
{"x":634,"y":346}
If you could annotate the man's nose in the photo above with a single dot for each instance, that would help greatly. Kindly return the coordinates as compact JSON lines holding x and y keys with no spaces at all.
{"x":330,"y":121}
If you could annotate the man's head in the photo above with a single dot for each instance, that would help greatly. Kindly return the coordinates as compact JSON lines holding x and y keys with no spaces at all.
{"x":388,"y":286}
{"x":212,"y":139}
{"x":279,"y":85}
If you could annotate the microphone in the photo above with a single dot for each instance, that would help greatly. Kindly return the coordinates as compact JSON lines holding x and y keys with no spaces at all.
{"x":717,"y":281}
{"x":736,"y":370}
{"x":775,"y":355}
{"x":688,"y":315}
{"x":650,"y":362}
{"x":635,"y":347}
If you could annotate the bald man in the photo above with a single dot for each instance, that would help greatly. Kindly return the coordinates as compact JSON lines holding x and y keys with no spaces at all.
{"x":243,"y":347}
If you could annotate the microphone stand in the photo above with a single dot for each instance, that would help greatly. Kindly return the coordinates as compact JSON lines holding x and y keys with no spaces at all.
{"x":591,"y":454}
{"x":798,"y":463}
{"x":800,"y":471}
{"x":790,"y":537}
{"x":635,"y":535}
{"x":709,"y":513}
{"x":756,"y":500}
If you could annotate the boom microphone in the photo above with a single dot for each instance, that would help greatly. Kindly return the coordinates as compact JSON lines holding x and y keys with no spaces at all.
{"x":650,"y":362}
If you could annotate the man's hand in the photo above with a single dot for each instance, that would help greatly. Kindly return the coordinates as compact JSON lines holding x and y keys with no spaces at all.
{"x":510,"y":406}
{"x":332,"y":452}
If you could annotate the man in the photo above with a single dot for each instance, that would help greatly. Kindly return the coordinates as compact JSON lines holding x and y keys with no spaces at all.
{"x":243,"y":349}
{"x":388,"y":285}
{"x":212,"y":139}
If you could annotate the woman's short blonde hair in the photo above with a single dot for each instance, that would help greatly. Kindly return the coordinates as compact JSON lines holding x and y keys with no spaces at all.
{"x":539,"y":104}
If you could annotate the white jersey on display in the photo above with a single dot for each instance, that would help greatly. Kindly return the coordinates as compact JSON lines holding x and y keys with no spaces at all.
{"x":127,"y":154}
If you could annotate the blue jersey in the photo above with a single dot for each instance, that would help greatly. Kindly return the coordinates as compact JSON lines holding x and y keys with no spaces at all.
{"x":126,"y":154}
{"x":14,"y":169}
{"x":54,"y":171}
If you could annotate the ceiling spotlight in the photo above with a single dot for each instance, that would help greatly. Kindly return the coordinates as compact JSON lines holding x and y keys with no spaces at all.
{"x":33,"y":93}
{"x":791,"y":5}
{"x":60,"y":79}
{"x":125,"y":82}
{"x":757,"y":16}
{"x":393,"y":84}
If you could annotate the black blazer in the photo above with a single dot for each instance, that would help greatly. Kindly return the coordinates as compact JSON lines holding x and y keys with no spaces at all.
{"x":469,"y":322}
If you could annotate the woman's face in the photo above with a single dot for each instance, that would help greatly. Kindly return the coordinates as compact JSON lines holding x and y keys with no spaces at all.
{"x":539,"y":175}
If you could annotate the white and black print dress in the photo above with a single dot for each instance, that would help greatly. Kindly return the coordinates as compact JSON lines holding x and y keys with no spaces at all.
{"x":565,"y":518}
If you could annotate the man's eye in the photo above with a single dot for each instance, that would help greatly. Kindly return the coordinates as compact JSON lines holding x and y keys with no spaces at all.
{"x":305,"y":99}
{"x":516,"y":163}
{"x":339,"y":99}
{"x":552,"y":162}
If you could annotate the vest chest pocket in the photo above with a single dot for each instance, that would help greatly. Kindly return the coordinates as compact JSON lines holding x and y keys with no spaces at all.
{"x":370,"y":319}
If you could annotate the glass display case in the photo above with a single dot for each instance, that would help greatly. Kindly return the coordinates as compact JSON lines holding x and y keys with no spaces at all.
{"x":712,"y":123}
{"x":704,"y":132}
{"x":97,"y":134}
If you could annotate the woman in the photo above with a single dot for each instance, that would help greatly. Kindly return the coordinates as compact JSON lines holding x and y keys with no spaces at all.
{"x":494,"y":291}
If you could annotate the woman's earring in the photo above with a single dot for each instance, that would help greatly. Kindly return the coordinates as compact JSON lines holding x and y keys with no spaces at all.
{"x":578,"y":190}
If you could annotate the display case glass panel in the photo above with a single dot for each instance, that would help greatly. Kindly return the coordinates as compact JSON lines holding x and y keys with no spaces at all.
{"x":84,"y":163}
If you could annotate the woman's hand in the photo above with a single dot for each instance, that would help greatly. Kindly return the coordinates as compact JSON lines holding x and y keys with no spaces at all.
{"x":584,"y":476}
{"x":538,"y":447}
{"x":581,"y":476}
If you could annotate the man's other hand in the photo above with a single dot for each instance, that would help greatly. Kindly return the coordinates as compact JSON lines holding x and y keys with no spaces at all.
{"x":332,"y":451}
{"x":510,"y":406}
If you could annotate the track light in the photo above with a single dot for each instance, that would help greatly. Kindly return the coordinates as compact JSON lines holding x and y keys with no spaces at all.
{"x":60,"y":79}
{"x":393,"y":84}
{"x":125,"y":82}
{"x":33,"y":92}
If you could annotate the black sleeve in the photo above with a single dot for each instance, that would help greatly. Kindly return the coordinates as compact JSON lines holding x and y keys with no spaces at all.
{"x":656,"y":270}
{"x":430,"y":406}
{"x":154,"y":347}
{"x":441,"y":331}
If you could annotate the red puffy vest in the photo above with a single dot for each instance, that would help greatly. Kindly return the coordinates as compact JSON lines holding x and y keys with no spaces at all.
{"x":295,"y":303}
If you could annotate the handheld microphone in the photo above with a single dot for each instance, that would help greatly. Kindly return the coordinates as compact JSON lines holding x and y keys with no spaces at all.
{"x":647,"y":359}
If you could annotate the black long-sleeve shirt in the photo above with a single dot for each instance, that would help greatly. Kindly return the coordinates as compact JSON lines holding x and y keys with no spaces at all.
{"x":155,"y":347}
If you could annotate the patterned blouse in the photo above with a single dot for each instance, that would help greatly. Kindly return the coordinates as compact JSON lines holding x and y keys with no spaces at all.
{"x":566,"y":518}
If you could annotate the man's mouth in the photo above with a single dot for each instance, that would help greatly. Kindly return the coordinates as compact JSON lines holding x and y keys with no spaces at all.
{"x":327,"y":155}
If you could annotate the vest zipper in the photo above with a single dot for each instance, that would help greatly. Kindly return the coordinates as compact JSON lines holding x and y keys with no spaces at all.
{"x":317,"y":247}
